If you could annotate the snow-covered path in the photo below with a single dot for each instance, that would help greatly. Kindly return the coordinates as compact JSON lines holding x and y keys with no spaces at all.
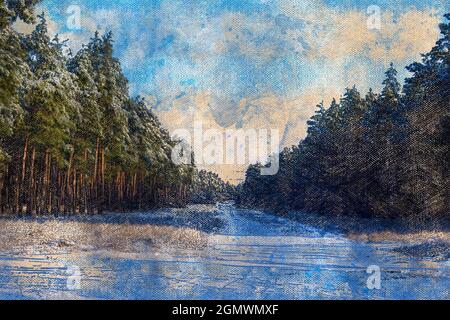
{"x":248,"y":255}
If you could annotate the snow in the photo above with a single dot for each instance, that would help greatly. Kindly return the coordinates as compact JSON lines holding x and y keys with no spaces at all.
{"x":204,"y":253}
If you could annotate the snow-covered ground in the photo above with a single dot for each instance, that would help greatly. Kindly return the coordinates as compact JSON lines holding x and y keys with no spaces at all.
{"x":205,"y":253}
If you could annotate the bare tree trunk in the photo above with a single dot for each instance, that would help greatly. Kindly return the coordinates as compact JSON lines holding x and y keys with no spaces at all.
{"x":21,"y":190}
{"x":95,"y":176}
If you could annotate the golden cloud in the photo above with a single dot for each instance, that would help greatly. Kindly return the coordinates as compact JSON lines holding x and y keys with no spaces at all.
{"x":336,"y":35}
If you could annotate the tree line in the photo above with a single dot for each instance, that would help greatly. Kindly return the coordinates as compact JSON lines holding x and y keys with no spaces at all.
{"x":72,"y":140}
{"x":208,"y":188}
{"x":379,"y":154}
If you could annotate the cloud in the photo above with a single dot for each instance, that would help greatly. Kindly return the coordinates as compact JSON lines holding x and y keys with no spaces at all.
{"x":334,"y":34}
{"x":406,"y":37}
{"x":134,"y":56}
{"x":176,"y":47}
{"x":181,"y":113}
{"x":287,"y":115}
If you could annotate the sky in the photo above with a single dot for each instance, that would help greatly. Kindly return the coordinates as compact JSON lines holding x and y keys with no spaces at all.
{"x":253,"y":63}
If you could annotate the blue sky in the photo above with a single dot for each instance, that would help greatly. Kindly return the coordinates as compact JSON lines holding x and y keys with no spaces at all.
{"x":156,"y":28}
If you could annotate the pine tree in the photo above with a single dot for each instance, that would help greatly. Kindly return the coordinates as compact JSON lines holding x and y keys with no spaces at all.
{"x":426,"y":176}
{"x":315,"y":123}
{"x":352,"y":106}
{"x":45,"y":134}
{"x":13,"y":71}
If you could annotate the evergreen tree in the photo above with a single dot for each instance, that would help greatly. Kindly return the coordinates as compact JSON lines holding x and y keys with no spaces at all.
{"x":315,"y":123}
{"x":13,"y":71}
{"x":209,"y":188}
{"x":426,"y":176}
